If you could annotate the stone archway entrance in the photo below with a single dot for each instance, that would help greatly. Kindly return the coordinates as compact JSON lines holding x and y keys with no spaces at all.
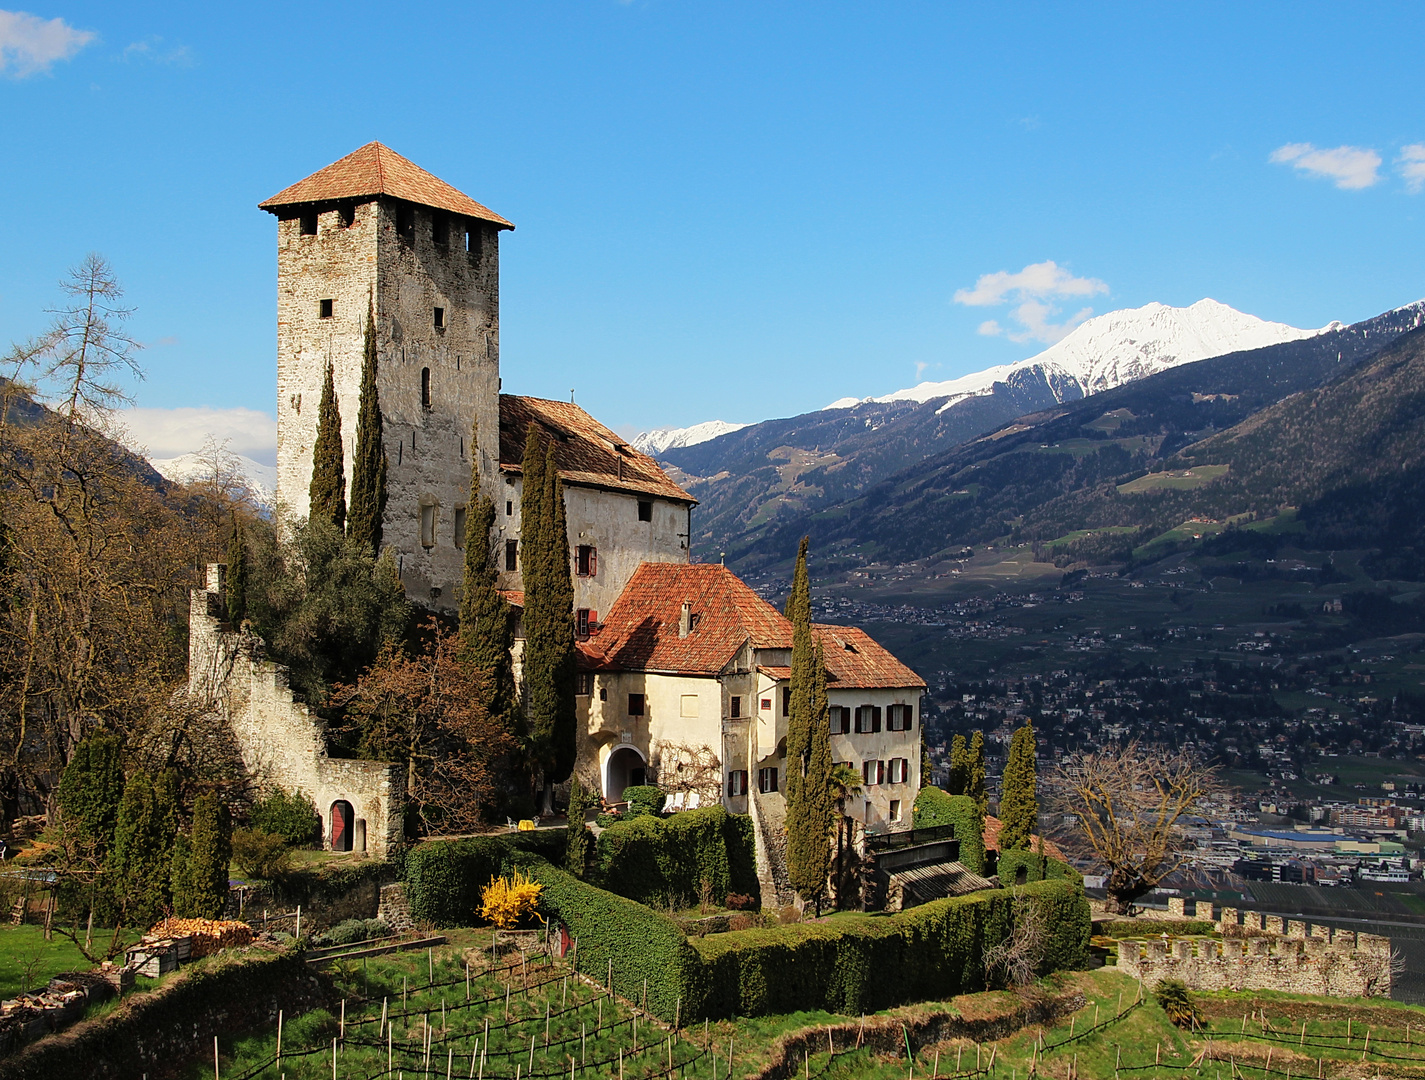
{"x":625,"y":768}
{"x":341,"y":818}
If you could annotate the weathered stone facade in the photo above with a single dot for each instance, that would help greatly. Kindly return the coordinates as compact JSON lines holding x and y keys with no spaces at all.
{"x":1258,"y":956}
{"x":281,"y":741}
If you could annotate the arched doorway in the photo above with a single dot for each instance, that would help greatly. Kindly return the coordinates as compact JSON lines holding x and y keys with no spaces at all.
{"x":341,"y":825}
{"x":625,"y":768}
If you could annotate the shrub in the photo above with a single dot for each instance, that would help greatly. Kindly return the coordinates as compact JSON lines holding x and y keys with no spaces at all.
{"x":1173,"y":997}
{"x":644,"y":799}
{"x":606,"y":818}
{"x":1149,"y":928}
{"x":662,"y":861}
{"x":444,"y":878}
{"x":292,"y":817}
{"x":742,"y":902}
{"x":351,"y":931}
{"x":934,"y":807}
{"x":1035,"y":868}
{"x":260,"y":854}
{"x":508,"y":901}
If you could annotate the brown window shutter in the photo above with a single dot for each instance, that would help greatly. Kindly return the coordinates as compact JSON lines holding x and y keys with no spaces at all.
{"x":875,"y":718}
{"x":593,"y":562}
{"x":880,"y":772}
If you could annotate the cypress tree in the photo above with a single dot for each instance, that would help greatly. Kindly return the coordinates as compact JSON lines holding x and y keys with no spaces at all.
{"x":1019,"y":803}
{"x":237,"y":569}
{"x":90,"y":790}
{"x":959,"y":767}
{"x":138,"y":865}
{"x":563,"y":656}
{"x":180,"y":881}
{"x":580,"y":842}
{"x":368,"y":466}
{"x":486,"y":619}
{"x":811,"y":802}
{"x":327,"y":494}
{"x":209,"y":851}
{"x":975,"y":785}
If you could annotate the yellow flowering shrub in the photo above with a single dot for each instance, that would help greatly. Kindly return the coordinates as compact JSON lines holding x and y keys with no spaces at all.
{"x":506,"y":901}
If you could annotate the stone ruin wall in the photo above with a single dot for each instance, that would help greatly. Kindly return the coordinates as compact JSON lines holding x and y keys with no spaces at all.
{"x":280,"y":739}
{"x":1265,"y":952}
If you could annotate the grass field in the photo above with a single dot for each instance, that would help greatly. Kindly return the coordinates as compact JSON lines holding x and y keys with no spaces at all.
{"x":28,"y":961}
{"x":1183,"y":480}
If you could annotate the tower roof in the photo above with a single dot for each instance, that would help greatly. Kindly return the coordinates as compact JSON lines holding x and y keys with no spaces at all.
{"x":378,"y":170}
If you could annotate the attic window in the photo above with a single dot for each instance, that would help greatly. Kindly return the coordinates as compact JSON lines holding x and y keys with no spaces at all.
{"x":324,"y":308}
{"x":440,"y":229}
{"x":309,"y":223}
{"x":645,"y":510}
{"x":848,"y":646}
{"x":346,"y":216}
{"x":440,"y":318}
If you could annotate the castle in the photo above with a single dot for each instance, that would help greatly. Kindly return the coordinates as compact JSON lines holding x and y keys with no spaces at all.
{"x":683,"y":670}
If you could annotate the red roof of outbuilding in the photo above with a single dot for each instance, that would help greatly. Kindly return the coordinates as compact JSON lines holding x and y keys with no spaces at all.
{"x":640,"y":633}
{"x":378,"y":170}
{"x":587,"y":452}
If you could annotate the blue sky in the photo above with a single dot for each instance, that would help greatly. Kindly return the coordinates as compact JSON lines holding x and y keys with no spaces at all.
{"x":732,"y":210}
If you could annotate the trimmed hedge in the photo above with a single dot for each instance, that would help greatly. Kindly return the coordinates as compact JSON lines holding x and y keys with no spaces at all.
{"x":934,"y":807}
{"x":658,"y":860}
{"x":1009,"y":863}
{"x":444,"y":877}
{"x":1151,"y":928}
{"x":643,"y":945}
{"x":644,"y":799}
{"x":866,"y":963}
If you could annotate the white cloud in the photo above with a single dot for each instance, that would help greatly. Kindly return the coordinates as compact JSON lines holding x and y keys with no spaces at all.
{"x":1412,"y":166}
{"x":170,"y":433}
{"x":1348,"y":167}
{"x":29,"y":44}
{"x":153,"y":51}
{"x":1031,"y":290}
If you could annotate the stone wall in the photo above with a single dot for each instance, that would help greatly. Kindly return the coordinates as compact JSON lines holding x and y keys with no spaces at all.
{"x":1336,"y":963}
{"x":281,"y":740}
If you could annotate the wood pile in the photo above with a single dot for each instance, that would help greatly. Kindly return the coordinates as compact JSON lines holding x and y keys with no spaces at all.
{"x":206,"y":935}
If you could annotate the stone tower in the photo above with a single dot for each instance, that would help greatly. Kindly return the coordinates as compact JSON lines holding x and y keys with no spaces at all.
{"x":374,"y":227}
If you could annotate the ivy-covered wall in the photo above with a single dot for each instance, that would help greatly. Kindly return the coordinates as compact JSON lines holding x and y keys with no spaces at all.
{"x":935,"y":807}
{"x":658,"y":860}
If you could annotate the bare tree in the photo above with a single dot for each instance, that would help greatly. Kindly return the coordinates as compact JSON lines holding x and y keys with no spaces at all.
{"x":1125,"y":810}
{"x":688,"y":768}
{"x":1016,"y":959}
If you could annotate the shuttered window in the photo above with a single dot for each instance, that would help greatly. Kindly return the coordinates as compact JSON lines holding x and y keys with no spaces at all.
{"x":737,"y":782}
{"x":767,"y":780}
{"x":868,"y":719}
{"x":899,"y":718}
{"x":899,"y":770}
{"x":839,"y":718}
{"x":873,"y":772}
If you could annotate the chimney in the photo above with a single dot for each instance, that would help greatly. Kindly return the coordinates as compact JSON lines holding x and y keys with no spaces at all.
{"x":685,"y":620}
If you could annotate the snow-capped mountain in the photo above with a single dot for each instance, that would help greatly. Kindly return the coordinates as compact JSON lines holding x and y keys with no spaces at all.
{"x":658,"y":440}
{"x":188,"y":468}
{"x":1112,"y":349}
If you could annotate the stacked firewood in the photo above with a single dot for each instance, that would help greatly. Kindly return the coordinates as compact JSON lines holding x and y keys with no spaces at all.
{"x":208,"y":935}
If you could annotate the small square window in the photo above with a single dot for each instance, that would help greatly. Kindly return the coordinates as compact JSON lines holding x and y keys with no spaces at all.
{"x":767,"y":779}
{"x":586,"y":560}
{"x":737,"y":782}
{"x":346,"y":216}
{"x":581,"y":622}
{"x":440,"y":318}
{"x":325,"y":308}
{"x":512,"y":558}
{"x":766,"y":704}
{"x":735,"y":707}
{"x":688,"y":706}
{"x":645,"y":510}
{"x":635,"y":704}
{"x":895,"y":814}
{"x":584,"y":683}
{"x":460,"y":527}
{"x":309,"y":223}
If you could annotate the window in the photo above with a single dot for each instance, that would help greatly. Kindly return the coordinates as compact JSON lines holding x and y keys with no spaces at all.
{"x":645,"y":510}
{"x":898,"y":771}
{"x":839,"y":717}
{"x":895,"y":814}
{"x":512,"y":558}
{"x":767,"y":779}
{"x":899,"y":718}
{"x":346,"y":216}
{"x":635,"y":704}
{"x":786,"y":701}
{"x":603,"y":693}
{"x":766,"y":704}
{"x":873,"y":772}
{"x":509,"y":508}
{"x":737,"y":782}
{"x":868,"y":719}
{"x":581,"y":622}
{"x":440,"y":318}
{"x":309,"y":223}
{"x":586,"y":560}
{"x":584,"y":683}
{"x":440,"y":231}
{"x":460,"y":527}
{"x":324,"y":308}
{"x":428,"y":525}
{"x":474,"y":240}
{"x":735,"y":707}
{"x":688,"y":706}
{"x":406,"y":224}
{"x":425,"y":388}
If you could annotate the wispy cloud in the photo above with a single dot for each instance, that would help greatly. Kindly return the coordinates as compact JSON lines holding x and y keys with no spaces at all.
{"x":166,"y":433}
{"x":1411,"y":164}
{"x":29,"y":44}
{"x":1033,"y":291}
{"x":152,"y":50}
{"x":1348,"y":167}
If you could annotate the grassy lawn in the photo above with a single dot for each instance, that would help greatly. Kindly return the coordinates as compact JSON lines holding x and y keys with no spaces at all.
{"x":24,"y":951}
{"x":1183,"y":480}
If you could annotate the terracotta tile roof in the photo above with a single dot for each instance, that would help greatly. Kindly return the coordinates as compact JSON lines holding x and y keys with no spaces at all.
{"x":379,"y":170}
{"x":588,"y":453}
{"x":640,"y":633}
{"x":856,"y":660}
{"x":781,"y":674}
{"x":993,"y":826}
{"x":513,"y":597}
